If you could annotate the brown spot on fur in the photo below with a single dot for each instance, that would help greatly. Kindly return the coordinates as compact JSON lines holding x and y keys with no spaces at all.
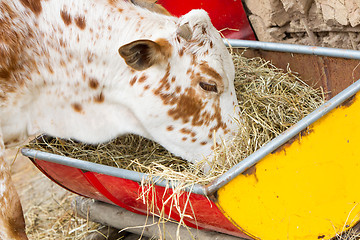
{"x":193,"y":59}
{"x":77,"y":107}
{"x":90,"y":58}
{"x":188,"y":105}
{"x":62,"y":63}
{"x":133,"y":80}
{"x":194,"y":140}
{"x":146,"y":87}
{"x":142,"y":78}
{"x":185,"y":131}
{"x":62,"y":43}
{"x":50,"y":69}
{"x":184,"y":138}
{"x":99,"y":98}
{"x":112,"y":2}
{"x":93,"y":83}
{"x":165,"y":47}
{"x":170,"y":128}
{"x":4,"y":73}
{"x":181,"y":52}
{"x":65,"y":17}
{"x":163,"y":81}
{"x":33,"y":5}
{"x":168,"y":99}
{"x":206,"y":69}
{"x":80,"y":22}
{"x":167,"y":86}
{"x":203,"y":30}
{"x":203,"y":143}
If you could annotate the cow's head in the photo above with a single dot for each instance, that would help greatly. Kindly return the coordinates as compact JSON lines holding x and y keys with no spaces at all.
{"x":184,"y":86}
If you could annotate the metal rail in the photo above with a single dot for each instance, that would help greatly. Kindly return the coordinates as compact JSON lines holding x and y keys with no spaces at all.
{"x":293,"y":48}
{"x":111,"y":171}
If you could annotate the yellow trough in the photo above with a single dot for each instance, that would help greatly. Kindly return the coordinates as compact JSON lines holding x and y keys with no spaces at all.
{"x":307,"y":187}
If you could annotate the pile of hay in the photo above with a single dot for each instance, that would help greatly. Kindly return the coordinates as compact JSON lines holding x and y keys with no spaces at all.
{"x":270,"y":99}
{"x":56,"y":220}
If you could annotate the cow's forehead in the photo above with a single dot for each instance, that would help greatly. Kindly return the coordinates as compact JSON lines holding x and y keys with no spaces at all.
{"x":205,"y":45}
{"x":207,"y":57}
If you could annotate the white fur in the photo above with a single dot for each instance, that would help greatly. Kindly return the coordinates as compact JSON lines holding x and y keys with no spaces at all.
{"x":44,"y":104}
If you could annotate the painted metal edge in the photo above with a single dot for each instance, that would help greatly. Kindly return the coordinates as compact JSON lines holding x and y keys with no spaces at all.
{"x":293,"y":48}
{"x":108,"y":170}
{"x":283,"y":138}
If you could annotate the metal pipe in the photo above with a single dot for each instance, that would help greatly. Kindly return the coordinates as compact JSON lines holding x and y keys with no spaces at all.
{"x":107,"y":170}
{"x":283,"y":138}
{"x":294,"y":48}
{"x":148,"y":226}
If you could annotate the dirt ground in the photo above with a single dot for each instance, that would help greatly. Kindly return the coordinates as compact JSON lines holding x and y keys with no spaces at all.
{"x":44,"y":202}
{"x":47,"y":206}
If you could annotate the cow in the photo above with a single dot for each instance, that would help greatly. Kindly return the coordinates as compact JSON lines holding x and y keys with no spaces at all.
{"x":92,"y":70}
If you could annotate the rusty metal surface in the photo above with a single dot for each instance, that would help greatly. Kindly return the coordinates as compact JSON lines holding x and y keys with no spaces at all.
{"x":330,"y":73}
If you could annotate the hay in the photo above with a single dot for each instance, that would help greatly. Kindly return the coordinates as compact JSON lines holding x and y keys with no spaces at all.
{"x":270,"y":100}
{"x":55,"y":219}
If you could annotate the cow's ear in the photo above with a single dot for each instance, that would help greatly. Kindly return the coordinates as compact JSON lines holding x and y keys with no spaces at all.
{"x":141,"y":54}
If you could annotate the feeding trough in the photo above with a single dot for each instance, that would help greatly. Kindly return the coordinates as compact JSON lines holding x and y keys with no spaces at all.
{"x":301,"y":185}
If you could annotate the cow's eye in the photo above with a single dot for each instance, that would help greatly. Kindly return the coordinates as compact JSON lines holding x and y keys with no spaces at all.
{"x":209,"y":87}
